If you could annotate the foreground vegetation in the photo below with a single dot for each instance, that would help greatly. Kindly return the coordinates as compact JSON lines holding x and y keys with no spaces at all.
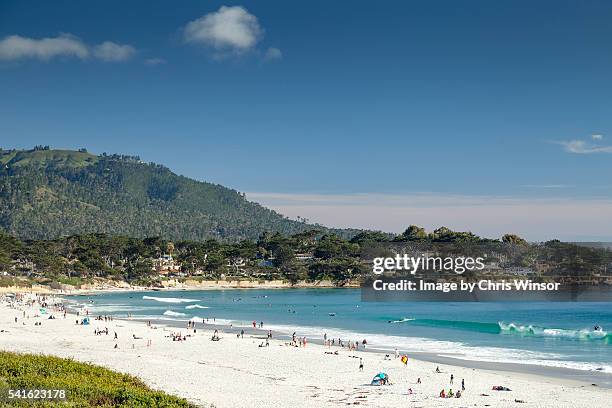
{"x":86,"y":385}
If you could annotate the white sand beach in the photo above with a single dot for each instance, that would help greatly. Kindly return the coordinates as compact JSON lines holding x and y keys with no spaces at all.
{"x":236,"y":372}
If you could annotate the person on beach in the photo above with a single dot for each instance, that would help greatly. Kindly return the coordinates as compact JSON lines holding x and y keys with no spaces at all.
{"x":450,"y":393}
{"x":396,"y":353}
{"x":452,"y":378}
{"x":115,"y":335}
{"x":438,"y":370}
{"x":442,"y":393}
{"x":419,"y":380}
{"x":462,"y":385}
{"x":242,"y":334}
{"x":360,"y":364}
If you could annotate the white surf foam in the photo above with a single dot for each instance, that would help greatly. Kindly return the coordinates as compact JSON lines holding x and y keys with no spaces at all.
{"x":444,"y":348}
{"x":171,"y":313}
{"x":405,"y":319}
{"x":531,"y":330}
{"x":169,"y":299}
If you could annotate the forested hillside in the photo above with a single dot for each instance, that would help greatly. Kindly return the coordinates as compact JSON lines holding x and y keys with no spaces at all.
{"x":47,"y":193}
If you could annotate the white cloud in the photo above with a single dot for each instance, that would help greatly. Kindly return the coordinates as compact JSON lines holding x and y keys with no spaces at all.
{"x":229,"y":31}
{"x":582,"y":147}
{"x":155,"y":61}
{"x":597,"y":137}
{"x":273,"y":54}
{"x":229,"y":27}
{"x":113,"y":52}
{"x":15,"y":47}
{"x":546,"y":185}
{"x":490,"y":216}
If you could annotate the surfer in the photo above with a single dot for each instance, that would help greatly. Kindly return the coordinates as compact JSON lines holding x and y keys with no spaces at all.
{"x":597,"y":327}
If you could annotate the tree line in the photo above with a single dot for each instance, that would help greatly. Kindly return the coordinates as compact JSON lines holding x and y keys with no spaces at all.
{"x":310,"y":255}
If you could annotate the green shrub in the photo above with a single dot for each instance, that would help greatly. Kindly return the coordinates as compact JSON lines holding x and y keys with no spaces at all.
{"x":86,"y":385}
{"x":6,"y":281}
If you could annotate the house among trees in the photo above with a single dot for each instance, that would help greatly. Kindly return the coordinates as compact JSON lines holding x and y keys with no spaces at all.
{"x":24,"y":265}
{"x":303,"y":256}
{"x":166,"y":265}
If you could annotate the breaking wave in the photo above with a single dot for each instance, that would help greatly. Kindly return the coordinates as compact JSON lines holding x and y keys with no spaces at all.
{"x":528,"y":330}
{"x":536,"y":331}
{"x":171,"y":313}
{"x":169,"y":299}
{"x":196,"y":307}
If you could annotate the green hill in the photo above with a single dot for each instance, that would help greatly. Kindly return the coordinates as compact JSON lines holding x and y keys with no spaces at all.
{"x":42,"y":157}
{"x":48,"y":193}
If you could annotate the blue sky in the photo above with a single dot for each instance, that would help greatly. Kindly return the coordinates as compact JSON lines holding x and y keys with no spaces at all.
{"x":469,"y":103}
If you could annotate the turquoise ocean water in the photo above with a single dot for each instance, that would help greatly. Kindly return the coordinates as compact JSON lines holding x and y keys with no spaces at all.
{"x":545,"y":334}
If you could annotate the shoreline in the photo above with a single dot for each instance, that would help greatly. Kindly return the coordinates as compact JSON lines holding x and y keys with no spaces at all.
{"x":242,"y":372}
{"x":569,"y":376}
{"x":577,"y":376}
{"x":205,"y":285}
